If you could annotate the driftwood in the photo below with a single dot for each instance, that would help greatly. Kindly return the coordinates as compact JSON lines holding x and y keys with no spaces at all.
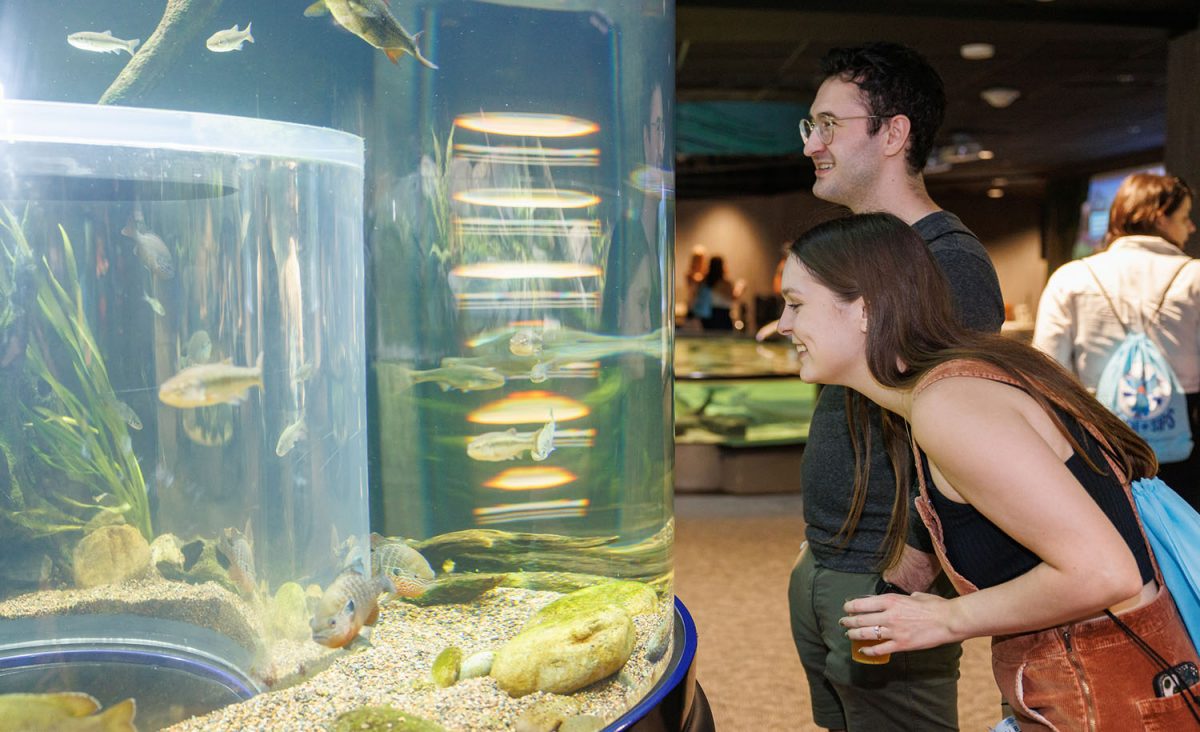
{"x":182,"y":23}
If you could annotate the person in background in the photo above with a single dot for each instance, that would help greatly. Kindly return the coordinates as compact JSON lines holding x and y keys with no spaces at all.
{"x":1024,"y":482}
{"x":697,"y":266}
{"x":715,"y":297}
{"x":873,"y":124}
{"x":1144,"y":263}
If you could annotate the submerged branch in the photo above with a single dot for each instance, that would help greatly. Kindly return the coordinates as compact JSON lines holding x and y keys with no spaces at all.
{"x":182,"y":22}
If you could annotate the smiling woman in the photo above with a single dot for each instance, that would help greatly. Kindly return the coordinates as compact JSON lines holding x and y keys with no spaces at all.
{"x":1024,"y":480}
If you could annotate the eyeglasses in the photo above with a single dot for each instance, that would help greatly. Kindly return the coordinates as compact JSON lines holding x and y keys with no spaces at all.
{"x":827,"y":124}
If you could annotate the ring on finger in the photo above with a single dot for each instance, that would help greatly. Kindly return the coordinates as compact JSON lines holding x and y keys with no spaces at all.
{"x":878,"y":633}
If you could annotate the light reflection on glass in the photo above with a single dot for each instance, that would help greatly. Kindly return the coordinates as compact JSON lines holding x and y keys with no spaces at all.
{"x":534,"y":478}
{"x":525,"y":270}
{"x":577,"y":157}
{"x":531,"y":227}
{"x":527,"y":300}
{"x":526,"y":124}
{"x":529,"y":407}
{"x":532,"y":511}
{"x":527,"y":198}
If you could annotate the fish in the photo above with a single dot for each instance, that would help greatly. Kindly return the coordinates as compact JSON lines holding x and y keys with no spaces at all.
{"x":125,"y":412}
{"x":350,"y":602}
{"x":305,"y":372}
{"x":510,"y":444}
{"x":238,"y":549}
{"x":209,"y":384}
{"x":103,"y":42}
{"x":525,"y":342}
{"x":152,"y":250}
{"x":154,"y":304}
{"x":404,"y":566}
{"x":64,"y":711}
{"x":198,"y":348}
{"x":291,"y":434}
{"x":371,"y":21}
{"x":462,"y":377}
{"x":230,"y":39}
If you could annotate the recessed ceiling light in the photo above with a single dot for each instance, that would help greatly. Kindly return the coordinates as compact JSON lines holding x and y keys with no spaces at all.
{"x":1125,"y":78}
{"x":1000,"y":96}
{"x":977,"y":51}
{"x":986,"y":154}
{"x":999,"y":181}
{"x":995,"y":193}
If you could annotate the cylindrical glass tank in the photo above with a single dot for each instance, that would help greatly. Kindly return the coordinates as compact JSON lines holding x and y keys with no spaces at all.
{"x":182,"y":400}
{"x":518,"y":222}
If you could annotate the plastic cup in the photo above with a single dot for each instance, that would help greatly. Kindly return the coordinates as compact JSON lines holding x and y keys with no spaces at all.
{"x":857,"y":645}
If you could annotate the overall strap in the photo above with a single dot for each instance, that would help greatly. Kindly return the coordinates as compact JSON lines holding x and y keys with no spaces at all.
{"x":983,"y":370}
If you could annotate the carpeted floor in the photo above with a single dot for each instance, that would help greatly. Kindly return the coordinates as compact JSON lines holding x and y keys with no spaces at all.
{"x":733,"y":555}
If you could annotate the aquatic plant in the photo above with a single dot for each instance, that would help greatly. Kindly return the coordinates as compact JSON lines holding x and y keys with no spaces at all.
{"x":81,"y":432}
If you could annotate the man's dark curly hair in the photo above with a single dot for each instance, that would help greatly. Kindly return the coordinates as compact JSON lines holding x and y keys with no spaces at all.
{"x":894,"y":79}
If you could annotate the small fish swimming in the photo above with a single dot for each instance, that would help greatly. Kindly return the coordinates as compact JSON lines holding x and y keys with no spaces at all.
{"x":198,"y":348}
{"x":510,"y":444}
{"x":152,"y":250}
{"x":238,"y":549}
{"x":154,"y":304}
{"x":404,"y":566}
{"x":348,"y":604}
{"x":462,"y":377}
{"x":209,"y":384}
{"x":101,"y":42}
{"x":125,"y":412}
{"x":64,"y":711}
{"x":371,"y":21}
{"x":230,"y":39}
{"x":291,"y":434}
{"x":526,"y":342}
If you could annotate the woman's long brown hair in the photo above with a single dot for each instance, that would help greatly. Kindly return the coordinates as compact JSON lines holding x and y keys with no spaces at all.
{"x":911,"y":328}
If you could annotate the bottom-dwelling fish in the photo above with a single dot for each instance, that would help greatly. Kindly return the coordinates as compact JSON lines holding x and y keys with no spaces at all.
{"x":348,"y":604}
{"x":510,"y":444}
{"x":67,"y":711}
{"x":408,"y":571}
{"x":238,"y":548}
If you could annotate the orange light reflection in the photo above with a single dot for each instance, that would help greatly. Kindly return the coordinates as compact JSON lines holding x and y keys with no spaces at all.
{"x":531,"y":478}
{"x":525,"y":270}
{"x":528,"y":124}
{"x":527,"y":198}
{"x":529,"y":407}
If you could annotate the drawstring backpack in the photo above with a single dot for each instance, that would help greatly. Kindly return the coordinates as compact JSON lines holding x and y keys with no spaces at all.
{"x":1139,"y":386}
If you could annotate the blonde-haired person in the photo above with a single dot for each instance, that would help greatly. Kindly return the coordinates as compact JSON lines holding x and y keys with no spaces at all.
{"x":1144,"y":264}
{"x":1024,"y":481}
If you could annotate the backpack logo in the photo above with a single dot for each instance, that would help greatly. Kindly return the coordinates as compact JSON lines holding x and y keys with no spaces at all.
{"x":1143,"y":392}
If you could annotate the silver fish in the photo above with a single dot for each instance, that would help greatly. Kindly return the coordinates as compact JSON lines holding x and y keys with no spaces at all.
{"x":154,"y":304}
{"x":126,"y":413}
{"x":459,"y":376}
{"x":291,"y":434}
{"x":371,"y":21}
{"x":348,"y":604}
{"x":230,"y":39}
{"x":102,"y":42}
{"x":510,"y":444}
{"x":152,"y":250}
{"x":198,"y":348}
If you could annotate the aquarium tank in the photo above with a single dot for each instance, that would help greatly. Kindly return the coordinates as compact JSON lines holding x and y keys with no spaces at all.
{"x":336,"y":343}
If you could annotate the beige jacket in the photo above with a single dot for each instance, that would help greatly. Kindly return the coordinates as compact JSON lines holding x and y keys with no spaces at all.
{"x":1076,"y":326}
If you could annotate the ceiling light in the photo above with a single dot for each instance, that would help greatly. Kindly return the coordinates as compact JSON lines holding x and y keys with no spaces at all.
{"x":999,"y":96}
{"x":977,"y":51}
{"x":1125,"y":78}
{"x":995,"y":193}
{"x":999,"y":181}
{"x":986,"y":154}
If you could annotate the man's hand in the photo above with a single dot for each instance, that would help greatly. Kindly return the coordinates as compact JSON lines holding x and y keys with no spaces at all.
{"x":915,"y":571}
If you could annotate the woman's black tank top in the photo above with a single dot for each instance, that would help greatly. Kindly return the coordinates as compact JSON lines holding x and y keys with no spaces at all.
{"x":986,"y":556}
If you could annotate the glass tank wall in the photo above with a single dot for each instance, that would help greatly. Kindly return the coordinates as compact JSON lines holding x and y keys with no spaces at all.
{"x":517,"y":218}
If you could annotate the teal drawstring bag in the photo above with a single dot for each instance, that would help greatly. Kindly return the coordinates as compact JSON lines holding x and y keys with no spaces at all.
{"x":1173,"y":528}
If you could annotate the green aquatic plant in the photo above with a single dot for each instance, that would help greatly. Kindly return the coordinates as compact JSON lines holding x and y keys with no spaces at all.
{"x":81,"y":433}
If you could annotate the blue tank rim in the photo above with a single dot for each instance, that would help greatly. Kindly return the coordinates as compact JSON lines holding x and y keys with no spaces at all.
{"x":236,"y":683}
{"x":677,"y":672}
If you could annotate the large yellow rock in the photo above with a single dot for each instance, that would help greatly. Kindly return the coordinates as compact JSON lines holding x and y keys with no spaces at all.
{"x":563,"y":656}
{"x":109,"y":555}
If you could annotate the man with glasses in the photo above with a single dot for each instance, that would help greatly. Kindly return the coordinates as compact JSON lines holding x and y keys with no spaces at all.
{"x":872,"y":127}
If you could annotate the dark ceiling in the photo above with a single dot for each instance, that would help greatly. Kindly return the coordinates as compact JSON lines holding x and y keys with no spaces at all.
{"x":1092,"y":76}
